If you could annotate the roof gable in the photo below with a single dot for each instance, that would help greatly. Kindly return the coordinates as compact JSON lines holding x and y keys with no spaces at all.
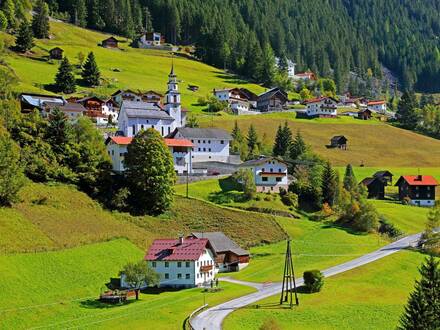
{"x":173,"y":250}
{"x":417,"y":180}
{"x":221,"y":243}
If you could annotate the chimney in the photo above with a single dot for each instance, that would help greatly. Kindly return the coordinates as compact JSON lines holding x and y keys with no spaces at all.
{"x":419,"y":178}
{"x":180,"y":239}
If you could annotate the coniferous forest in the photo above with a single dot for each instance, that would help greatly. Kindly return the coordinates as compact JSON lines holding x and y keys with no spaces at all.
{"x":330,"y":37}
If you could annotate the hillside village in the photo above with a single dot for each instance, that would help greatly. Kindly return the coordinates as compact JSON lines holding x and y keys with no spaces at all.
{"x":161,"y":201}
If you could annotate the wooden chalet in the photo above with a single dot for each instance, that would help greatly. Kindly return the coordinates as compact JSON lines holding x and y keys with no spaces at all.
{"x":418,"y":190}
{"x":56,"y":53}
{"x":272,"y":100}
{"x":375,"y":187}
{"x":338,"y":141}
{"x":111,"y":42}
{"x":386,"y":176}
{"x":92,"y":103}
{"x":152,"y":97}
{"x":364,"y":114}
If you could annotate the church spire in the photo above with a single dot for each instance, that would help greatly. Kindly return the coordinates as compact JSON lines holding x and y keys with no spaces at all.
{"x":172,"y":68}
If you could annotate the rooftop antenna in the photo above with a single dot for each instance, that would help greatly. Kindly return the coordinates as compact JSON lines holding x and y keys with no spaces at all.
{"x":289,"y":284}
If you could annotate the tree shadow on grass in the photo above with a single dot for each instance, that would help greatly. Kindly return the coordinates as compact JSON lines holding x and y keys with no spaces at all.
{"x":230,"y":78}
{"x":231,"y":191}
{"x":96,"y":304}
{"x":331,"y":225}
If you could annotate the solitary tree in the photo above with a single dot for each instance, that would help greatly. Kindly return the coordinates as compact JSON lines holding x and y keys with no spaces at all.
{"x":138,"y":274}
{"x":350,"y":182}
{"x":247,"y":180}
{"x":329,"y":185}
{"x":24,"y":40}
{"x":252,"y":142}
{"x":431,"y":238}
{"x":40,"y":20}
{"x":406,"y":110}
{"x":423,"y":308}
{"x":298,"y":147}
{"x":150,"y":173}
{"x":283,"y":140}
{"x":90,"y":72}
{"x":65,"y":79}
{"x":11,"y":170}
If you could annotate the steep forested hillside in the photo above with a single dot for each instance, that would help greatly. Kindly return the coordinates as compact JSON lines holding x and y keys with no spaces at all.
{"x":331,"y":37}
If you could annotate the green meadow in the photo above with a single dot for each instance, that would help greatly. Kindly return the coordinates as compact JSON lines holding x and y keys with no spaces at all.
{"x":369,"y":297}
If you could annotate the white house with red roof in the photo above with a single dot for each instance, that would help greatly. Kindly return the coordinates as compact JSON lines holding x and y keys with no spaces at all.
{"x":270,"y":174}
{"x":185,"y":262}
{"x":377,"y":106}
{"x":308,"y":75}
{"x":238,"y":101}
{"x":321,"y":107}
{"x":180,"y":149}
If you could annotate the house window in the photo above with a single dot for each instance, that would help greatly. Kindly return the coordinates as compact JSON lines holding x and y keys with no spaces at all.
{"x":187,"y":264}
{"x":278,"y":179}
{"x":209,"y":141}
{"x":203,"y":141}
{"x":209,"y":149}
{"x":192,"y":141}
{"x":264,"y":179}
{"x":204,"y":149}
{"x":179,"y":264}
{"x":187,"y":276}
{"x":162,"y":131}
{"x":169,"y":130}
{"x":198,"y":150}
{"x":153,"y":264}
{"x":142,"y":127}
{"x":271,"y":170}
{"x":152,"y":126}
{"x":167,"y":276}
{"x":121,"y":154}
{"x":279,"y":170}
{"x":167,"y":264}
{"x":113,"y":152}
{"x":222,"y":142}
{"x":428,"y":195}
{"x":134,"y":129}
{"x":198,"y":141}
{"x":179,"y":275}
{"x":428,"y":188}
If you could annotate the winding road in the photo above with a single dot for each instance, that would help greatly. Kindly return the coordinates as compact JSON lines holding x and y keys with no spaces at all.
{"x":212,"y":318}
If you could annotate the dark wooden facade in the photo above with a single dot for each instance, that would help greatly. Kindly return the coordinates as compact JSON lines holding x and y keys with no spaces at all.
{"x":111,"y":42}
{"x":417,"y":189}
{"x":364,"y":114}
{"x":56,"y":53}
{"x":375,"y":187}
{"x":339,"y":141}
{"x":386,"y":176}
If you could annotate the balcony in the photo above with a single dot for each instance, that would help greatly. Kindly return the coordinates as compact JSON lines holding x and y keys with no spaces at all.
{"x":207,"y":268}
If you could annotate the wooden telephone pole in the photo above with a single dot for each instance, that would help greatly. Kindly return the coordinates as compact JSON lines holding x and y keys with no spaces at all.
{"x":289,"y":285}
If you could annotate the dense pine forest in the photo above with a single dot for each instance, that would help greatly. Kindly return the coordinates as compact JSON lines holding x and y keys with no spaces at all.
{"x":330,"y":37}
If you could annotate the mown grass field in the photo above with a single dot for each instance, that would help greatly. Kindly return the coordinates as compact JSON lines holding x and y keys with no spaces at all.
{"x":59,"y":290}
{"x":369,"y":297}
{"x":371,"y":143}
{"x":139,"y":69}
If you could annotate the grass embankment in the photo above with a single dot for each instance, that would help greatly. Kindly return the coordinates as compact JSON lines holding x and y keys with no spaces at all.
{"x":59,"y":290}
{"x":139,"y":69}
{"x":369,"y":142}
{"x":53,"y":217}
{"x":369,"y":297}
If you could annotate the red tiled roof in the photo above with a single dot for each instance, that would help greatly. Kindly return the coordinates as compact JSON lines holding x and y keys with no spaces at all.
{"x":121,"y":139}
{"x":422,"y":180}
{"x":315,"y":100}
{"x":178,"y":143}
{"x":124,"y":140}
{"x":171,"y":249}
{"x":375,"y":102}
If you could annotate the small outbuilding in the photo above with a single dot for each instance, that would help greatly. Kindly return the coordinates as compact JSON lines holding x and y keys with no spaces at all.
{"x":375,"y":187}
{"x":364,"y":114}
{"x":385,"y":176}
{"x":111,"y":42}
{"x":339,"y":141}
{"x":56,"y":53}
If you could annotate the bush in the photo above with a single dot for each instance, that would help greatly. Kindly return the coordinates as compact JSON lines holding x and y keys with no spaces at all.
{"x":406,"y":201}
{"x":313,"y":280}
{"x":202,"y":101}
{"x":268,"y":198}
{"x":258,"y":198}
{"x":386,"y":227}
{"x":289,"y":199}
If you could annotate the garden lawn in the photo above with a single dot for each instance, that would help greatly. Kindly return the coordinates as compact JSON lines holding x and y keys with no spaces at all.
{"x":140,"y":69}
{"x":315,"y":246}
{"x":59,"y":290}
{"x":370,"y":143}
{"x":369,"y":297}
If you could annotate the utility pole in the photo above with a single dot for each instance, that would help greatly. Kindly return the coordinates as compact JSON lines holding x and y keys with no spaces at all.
{"x":289,"y":284}
{"x":187,"y":178}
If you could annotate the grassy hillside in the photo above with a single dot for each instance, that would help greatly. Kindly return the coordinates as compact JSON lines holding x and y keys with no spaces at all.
{"x":52,"y":217}
{"x":139,"y":69}
{"x":369,"y":142}
{"x":59,"y":290}
{"x":369,"y":297}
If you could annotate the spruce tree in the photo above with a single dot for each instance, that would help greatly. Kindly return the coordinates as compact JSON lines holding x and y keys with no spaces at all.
{"x":252,"y":142}
{"x":150,"y":173}
{"x":90,"y":72}
{"x":3,"y":21}
{"x":94,"y":19}
{"x":79,"y":13}
{"x":329,"y":184}
{"x":24,"y":41}
{"x":350,"y":182}
{"x":58,"y":133}
{"x":278,"y":144}
{"x":406,"y":110}
{"x":40,"y":20}
{"x":237,"y":139}
{"x":283,"y":140}
{"x":298,"y":147}
{"x":8,"y":9}
{"x":423,"y":308}
{"x":65,"y":79}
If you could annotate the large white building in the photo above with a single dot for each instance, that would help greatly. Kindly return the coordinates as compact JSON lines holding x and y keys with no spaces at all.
{"x":209,"y":144}
{"x":270,"y":174}
{"x":179,"y":148}
{"x":377,"y":106}
{"x":321,"y":107}
{"x":185,"y":262}
{"x":137,"y":115}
